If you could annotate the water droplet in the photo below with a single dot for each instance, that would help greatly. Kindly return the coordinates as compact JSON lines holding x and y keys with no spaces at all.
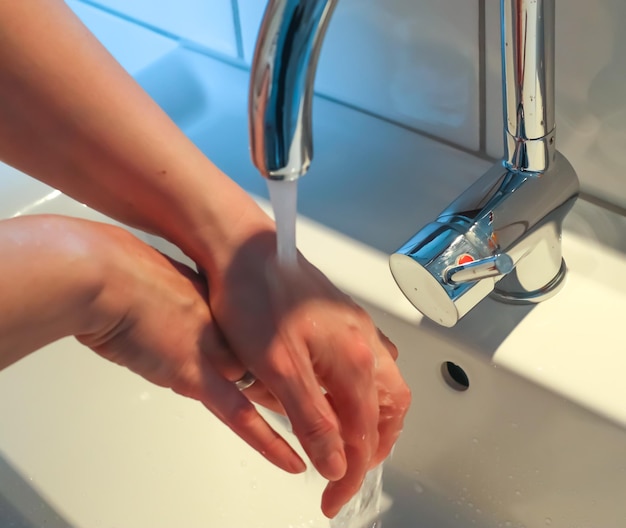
{"x":253,"y":484}
{"x":518,"y":493}
{"x":475,"y":440}
{"x":419,"y":489}
{"x":548,"y":521}
{"x":478,"y":511}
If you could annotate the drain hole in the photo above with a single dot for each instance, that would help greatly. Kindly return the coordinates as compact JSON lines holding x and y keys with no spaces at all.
{"x":455,"y":376}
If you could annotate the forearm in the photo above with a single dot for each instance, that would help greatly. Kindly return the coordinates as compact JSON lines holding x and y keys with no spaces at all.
{"x":72,"y":117}
{"x":49,"y":284}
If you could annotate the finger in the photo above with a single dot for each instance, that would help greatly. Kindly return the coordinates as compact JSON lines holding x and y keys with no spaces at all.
{"x":241,"y":416}
{"x":291,"y":379}
{"x":338,"y":493}
{"x":349,"y":380}
{"x":394,"y":398}
{"x":389,"y":430}
{"x":346,"y":367}
{"x":259,"y":393}
{"x":224,"y":400}
{"x":391,"y":348}
{"x":230,"y":367}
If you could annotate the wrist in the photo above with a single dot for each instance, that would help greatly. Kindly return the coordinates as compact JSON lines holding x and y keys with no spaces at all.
{"x":221,"y":228}
{"x":50,"y":282}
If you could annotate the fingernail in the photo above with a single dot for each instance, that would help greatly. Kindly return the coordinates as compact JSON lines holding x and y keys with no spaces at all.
{"x":297,"y":465}
{"x":334,"y":466}
{"x":331,"y":513}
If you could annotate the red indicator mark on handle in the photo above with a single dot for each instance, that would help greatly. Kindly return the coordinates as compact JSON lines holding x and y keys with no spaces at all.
{"x":465,"y":258}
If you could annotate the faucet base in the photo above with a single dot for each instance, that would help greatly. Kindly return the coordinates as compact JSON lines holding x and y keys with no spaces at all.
{"x":515,"y":293}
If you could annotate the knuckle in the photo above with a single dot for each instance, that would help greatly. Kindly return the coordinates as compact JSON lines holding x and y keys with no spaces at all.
{"x":391,"y":348}
{"x":394,"y":399}
{"x":316,"y":430}
{"x":399,"y":402}
{"x":243,"y":416}
{"x":360,"y":312}
{"x":361,"y":358}
{"x":405,"y":394}
{"x":362,"y":320}
{"x":403,"y":399}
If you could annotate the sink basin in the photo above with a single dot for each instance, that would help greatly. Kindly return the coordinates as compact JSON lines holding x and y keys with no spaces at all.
{"x":517,"y":417}
{"x":87,"y":444}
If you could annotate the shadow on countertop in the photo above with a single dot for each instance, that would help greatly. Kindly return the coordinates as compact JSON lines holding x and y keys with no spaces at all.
{"x":21,"y":506}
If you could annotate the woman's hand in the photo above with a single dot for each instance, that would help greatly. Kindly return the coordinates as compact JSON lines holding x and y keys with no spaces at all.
{"x":320,"y":355}
{"x":132,"y":305}
{"x":158,"y":324}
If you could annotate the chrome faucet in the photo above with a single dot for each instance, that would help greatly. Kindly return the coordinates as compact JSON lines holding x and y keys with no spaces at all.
{"x":502,"y":236}
{"x":281,"y":86}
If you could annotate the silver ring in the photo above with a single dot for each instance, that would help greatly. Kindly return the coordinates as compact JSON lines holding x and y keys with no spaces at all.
{"x":246,"y":381}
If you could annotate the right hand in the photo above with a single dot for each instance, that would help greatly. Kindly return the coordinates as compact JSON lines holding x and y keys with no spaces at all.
{"x":153,"y":318}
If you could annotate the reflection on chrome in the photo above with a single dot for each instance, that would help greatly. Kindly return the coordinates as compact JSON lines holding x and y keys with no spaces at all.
{"x":502,"y":236}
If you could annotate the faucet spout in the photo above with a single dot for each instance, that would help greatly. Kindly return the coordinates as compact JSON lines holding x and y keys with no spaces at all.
{"x":281,"y":86}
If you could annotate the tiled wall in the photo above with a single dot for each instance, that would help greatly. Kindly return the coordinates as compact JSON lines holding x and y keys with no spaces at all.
{"x":419,"y":64}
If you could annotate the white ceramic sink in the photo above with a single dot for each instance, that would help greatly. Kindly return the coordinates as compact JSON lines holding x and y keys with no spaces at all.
{"x":537,"y":439}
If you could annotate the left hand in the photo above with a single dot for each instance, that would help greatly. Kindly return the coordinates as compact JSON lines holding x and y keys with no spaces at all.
{"x":152,"y":317}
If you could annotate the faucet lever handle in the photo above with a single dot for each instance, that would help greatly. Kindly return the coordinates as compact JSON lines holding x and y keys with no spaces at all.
{"x":494,"y":266}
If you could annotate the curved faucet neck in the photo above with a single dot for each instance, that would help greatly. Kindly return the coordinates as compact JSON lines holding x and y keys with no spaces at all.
{"x":281,"y":86}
